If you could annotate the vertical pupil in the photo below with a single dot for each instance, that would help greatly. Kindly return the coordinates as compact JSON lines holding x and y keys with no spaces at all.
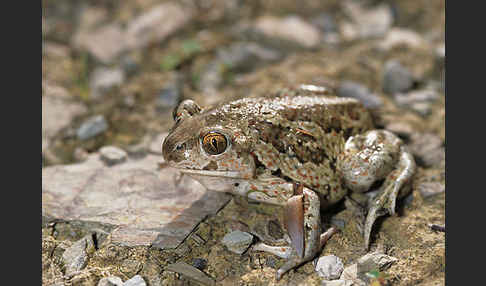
{"x":215,"y":143}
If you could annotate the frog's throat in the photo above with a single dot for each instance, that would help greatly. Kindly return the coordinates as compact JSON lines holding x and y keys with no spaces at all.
{"x":225,"y":174}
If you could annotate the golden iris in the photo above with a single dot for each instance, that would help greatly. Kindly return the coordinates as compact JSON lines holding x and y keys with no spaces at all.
{"x":214,"y":143}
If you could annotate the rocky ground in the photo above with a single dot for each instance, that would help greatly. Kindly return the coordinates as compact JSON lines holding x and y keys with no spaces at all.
{"x":112,"y":72}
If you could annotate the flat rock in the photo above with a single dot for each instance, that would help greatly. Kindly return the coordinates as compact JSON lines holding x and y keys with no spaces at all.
{"x":191,"y":272}
{"x":110,"y":281}
{"x":141,"y":204}
{"x":157,"y":24}
{"x":291,"y":28}
{"x":57,"y":113}
{"x":329,"y":267}
{"x":136,"y":280}
{"x":237,"y":241}
{"x":75,"y":257}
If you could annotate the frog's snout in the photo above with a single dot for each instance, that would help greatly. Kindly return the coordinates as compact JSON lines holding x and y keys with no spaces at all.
{"x":169,"y":151}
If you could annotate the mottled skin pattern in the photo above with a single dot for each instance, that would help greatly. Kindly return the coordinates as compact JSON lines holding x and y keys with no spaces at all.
{"x":298,"y":148}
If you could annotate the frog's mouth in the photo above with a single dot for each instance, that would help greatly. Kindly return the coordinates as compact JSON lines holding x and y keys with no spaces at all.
{"x":211,"y":173}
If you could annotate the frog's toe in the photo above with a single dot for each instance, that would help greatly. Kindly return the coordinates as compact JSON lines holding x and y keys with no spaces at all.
{"x":280,"y":251}
{"x":375,"y":211}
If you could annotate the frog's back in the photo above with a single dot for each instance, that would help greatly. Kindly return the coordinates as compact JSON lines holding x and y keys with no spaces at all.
{"x":346,"y":116}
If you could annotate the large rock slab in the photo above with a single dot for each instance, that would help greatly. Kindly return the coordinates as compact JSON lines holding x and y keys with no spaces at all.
{"x":141,"y":203}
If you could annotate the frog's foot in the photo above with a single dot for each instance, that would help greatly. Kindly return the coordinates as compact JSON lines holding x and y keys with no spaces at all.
{"x":385,"y":201}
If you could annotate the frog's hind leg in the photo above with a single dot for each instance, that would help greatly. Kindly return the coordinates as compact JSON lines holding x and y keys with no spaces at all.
{"x":303,"y":223}
{"x":393,"y":186}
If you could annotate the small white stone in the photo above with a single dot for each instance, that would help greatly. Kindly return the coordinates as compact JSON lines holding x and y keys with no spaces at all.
{"x":329,"y":267}
{"x":110,"y":281}
{"x":136,"y":280}
{"x":112,"y":155}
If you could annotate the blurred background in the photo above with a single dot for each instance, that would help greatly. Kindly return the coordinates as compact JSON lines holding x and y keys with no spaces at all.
{"x":112,"y":71}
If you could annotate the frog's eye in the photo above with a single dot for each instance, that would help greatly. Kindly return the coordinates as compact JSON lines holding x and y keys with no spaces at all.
{"x":214,"y":143}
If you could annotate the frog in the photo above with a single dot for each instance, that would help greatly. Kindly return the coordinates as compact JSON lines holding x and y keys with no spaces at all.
{"x":302,"y":148}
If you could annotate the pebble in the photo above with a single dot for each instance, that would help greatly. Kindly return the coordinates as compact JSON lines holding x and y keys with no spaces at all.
{"x":396,"y":78}
{"x":429,"y":189}
{"x":427,"y":148}
{"x":402,"y":37}
{"x":191,"y":272}
{"x":105,"y":44}
{"x":328,"y":27}
{"x":360,"y":92}
{"x":237,"y":241}
{"x":424,"y":95}
{"x":103,"y":79}
{"x":157,"y":24}
{"x":169,"y":96}
{"x":200,"y":263}
{"x":339,"y":282}
{"x":244,"y":56}
{"x":112,"y":155}
{"x":366,"y":22}
{"x":374,"y":261}
{"x":110,"y":281}
{"x":136,"y":280}
{"x":325,"y":22}
{"x":350,"y":273}
{"x":339,"y":223}
{"x":291,"y":29}
{"x":329,"y":267}
{"x":92,"y":127}
{"x":75,"y":257}
{"x":211,"y":78}
{"x":419,"y":101}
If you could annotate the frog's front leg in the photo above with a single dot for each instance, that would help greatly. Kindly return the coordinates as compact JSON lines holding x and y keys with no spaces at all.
{"x":373,"y":156}
{"x":303,"y":222}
